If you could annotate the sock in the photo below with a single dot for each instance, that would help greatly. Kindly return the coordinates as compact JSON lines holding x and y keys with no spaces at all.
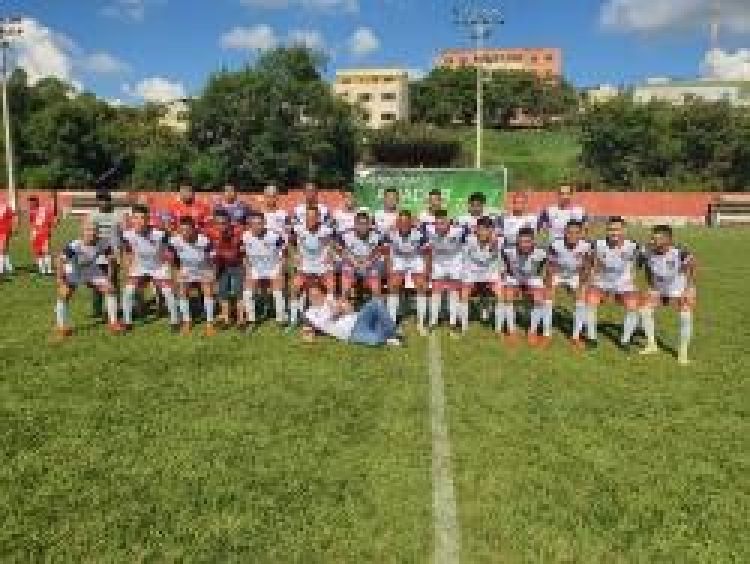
{"x":248,"y":298}
{"x":686,"y":328}
{"x":128,"y":297}
{"x":579,"y":319}
{"x":61,"y":313}
{"x":294,"y":310}
{"x":537,"y":313}
{"x":184,"y":305}
{"x":209,"y":304}
{"x":436,"y":300}
{"x":279,"y":305}
{"x":649,"y":326}
{"x":464,"y":306}
{"x":591,"y":314}
{"x":393,"y":306}
{"x":40,"y":265}
{"x":499,"y":316}
{"x":454,"y":307}
{"x":510,"y":317}
{"x":8,"y":264}
{"x":547,"y":318}
{"x":47,"y":264}
{"x":629,"y":325}
{"x":3,"y":262}
{"x":171,"y":303}
{"x":421,"y":310}
{"x":111,"y":302}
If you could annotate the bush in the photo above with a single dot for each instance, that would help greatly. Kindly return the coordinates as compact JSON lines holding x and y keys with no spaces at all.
{"x":404,"y":145}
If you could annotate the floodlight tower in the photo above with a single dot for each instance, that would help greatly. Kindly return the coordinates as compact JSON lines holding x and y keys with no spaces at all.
{"x":715,"y":25}
{"x":480,"y":23}
{"x":10,"y":29}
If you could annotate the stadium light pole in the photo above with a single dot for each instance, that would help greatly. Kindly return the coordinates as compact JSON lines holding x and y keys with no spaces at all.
{"x":10,"y":28}
{"x":480,"y":22}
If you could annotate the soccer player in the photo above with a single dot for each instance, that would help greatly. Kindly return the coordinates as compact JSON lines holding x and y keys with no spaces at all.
{"x":312,"y":200}
{"x":146,"y":260}
{"x":235,"y":209}
{"x":187,"y":205}
{"x":406,"y":260}
{"x":670,"y":272}
{"x":434,"y":204}
{"x":569,"y":259}
{"x":554,"y":219}
{"x":265,"y":254}
{"x":510,"y":223}
{"x":42,"y":220}
{"x":78,"y":264}
{"x":385,"y":219}
{"x":313,"y":242}
{"x":108,"y":224}
{"x":362,"y":251}
{"x":614,"y":262}
{"x":468,"y":221}
{"x":193,"y":254}
{"x":525,"y":266}
{"x":8,"y":224}
{"x":344,"y":218}
{"x":444,"y":251}
{"x":226,"y":240}
{"x":277,"y":219}
{"x":481,"y":270}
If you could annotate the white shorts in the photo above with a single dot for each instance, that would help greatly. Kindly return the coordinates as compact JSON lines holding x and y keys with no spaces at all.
{"x":480,"y":276}
{"x":532,"y":282}
{"x":161,"y":273}
{"x":616,"y":287}
{"x":410,"y":265}
{"x":264,"y":271}
{"x":315,"y":269}
{"x":195,"y":276}
{"x":91,"y":279}
{"x":670,"y":288}
{"x":572,"y":282}
{"x":446,"y":271}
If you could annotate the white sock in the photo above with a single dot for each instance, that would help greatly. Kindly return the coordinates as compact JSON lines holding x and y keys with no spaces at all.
{"x":279,"y":305}
{"x":649,"y":326}
{"x":579,"y":319}
{"x":629,"y":325}
{"x":47,"y":264}
{"x":393,"y":300}
{"x":464,"y":307}
{"x":111,"y":303}
{"x":547,"y":318}
{"x":510,"y":317}
{"x":248,"y":298}
{"x":295,"y":308}
{"x":436,"y":300}
{"x":8,"y":264}
{"x":454,"y":307}
{"x":421,"y":310}
{"x":3,"y":263}
{"x":686,"y":329}
{"x":499,"y":316}
{"x":40,"y":265}
{"x":184,"y":305}
{"x":591,"y":315}
{"x":209,"y":304}
{"x":128,"y":297}
{"x":61,"y":313}
{"x":537,"y":312}
{"x":171,"y":303}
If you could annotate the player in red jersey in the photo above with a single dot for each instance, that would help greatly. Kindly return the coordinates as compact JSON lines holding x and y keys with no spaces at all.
{"x":227,"y":241}
{"x":8,"y":224}
{"x":42,"y":220}
{"x":187,"y":205}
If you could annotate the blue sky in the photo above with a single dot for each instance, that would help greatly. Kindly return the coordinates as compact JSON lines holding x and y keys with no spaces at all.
{"x":135,"y":49}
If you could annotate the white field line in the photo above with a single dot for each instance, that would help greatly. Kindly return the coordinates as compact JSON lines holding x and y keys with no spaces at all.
{"x":443,"y":495}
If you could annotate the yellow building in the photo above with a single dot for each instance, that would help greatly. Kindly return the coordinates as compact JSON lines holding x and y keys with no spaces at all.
{"x":382,"y":94}
{"x":176,"y":115}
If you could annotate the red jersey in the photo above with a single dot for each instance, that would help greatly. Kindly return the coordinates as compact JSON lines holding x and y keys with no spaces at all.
{"x":42,"y":220}
{"x":227,"y":246}
{"x":199,"y":211}
{"x":7,"y":215}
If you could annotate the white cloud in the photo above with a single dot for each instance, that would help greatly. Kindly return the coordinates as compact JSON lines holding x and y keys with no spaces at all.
{"x":260,"y":37}
{"x":321,"y":5}
{"x":662,"y":15}
{"x":416,"y":74}
{"x":310,"y":38}
{"x":104,"y":63}
{"x":363,"y":42}
{"x":133,"y":10}
{"x":156,"y":89}
{"x":42,"y":52}
{"x":721,"y":65}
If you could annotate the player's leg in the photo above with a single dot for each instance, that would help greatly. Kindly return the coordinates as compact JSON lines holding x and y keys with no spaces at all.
{"x":512,"y":294}
{"x":420,"y":286}
{"x":4,"y":237}
{"x":62,"y":315}
{"x":499,"y":293}
{"x":296,"y":303}
{"x":579,"y":316}
{"x":223,"y":292}
{"x":109,"y":296}
{"x":252,"y":285}
{"x":686,"y":306}
{"x":128,"y":299}
{"x":279,"y":302}
{"x":439,"y":287}
{"x":46,"y":257}
{"x":594,"y":297}
{"x":537,"y":296}
{"x":454,"y":303}
{"x":328,"y":280}
{"x":649,"y":301}
{"x":208,"y":288}
{"x":183,"y":305}
{"x":395,"y":284}
{"x":630,"y":300}
{"x":348,"y":280}
{"x":467,"y":288}
{"x":166,"y":289}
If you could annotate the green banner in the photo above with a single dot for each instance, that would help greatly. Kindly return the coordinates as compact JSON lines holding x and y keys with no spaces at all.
{"x":414,"y":185}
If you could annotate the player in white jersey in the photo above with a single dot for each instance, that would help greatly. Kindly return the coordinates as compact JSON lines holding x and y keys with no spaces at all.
{"x":362,"y":254}
{"x":569,"y":260}
{"x":525,"y":272}
{"x":265,"y":258}
{"x":276,"y":218}
{"x":314,"y":260}
{"x":406,"y":260}
{"x":193,"y":254}
{"x":444,"y":252}
{"x":554,"y":219}
{"x":614,"y":261}
{"x":344,"y":218}
{"x":311,"y":200}
{"x":80,"y":263}
{"x":468,"y":221}
{"x":385,"y":219}
{"x":480,"y":271}
{"x":146,"y":261}
{"x":670,"y":272}
{"x":434,"y":204}
{"x":517,"y":218}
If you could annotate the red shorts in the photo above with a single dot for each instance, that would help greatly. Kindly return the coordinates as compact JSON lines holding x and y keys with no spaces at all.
{"x":305,"y":281}
{"x":4,"y":239}
{"x":40,"y":243}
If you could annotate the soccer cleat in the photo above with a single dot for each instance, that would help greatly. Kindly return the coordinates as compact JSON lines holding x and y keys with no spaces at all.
{"x":116,"y":329}
{"x":62,"y":333}
{"x":682,"y":357}
{"x":626,"y":347}
{"x":394,"y":342}
{"x":210,"y":330}
{"x":422,"y":330}
{"x":456,"y":332}
{"x":544,"y":342}
{"x":533,"y":340}
{"x":578,"y":344}
{"x":174,"y":328}
{"x":290,"y":329}
{"x":649,"y":349}
{"x":592,"y":344}
{"x":511,"y":339}
{"x":185,"y":329}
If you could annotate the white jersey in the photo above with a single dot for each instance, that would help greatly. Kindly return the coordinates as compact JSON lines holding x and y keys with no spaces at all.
{"x":360,"y":248}
{"x":195,"y":257}
{"x":277,"y":220}
{"x":446,"y":249}
{"x":614,"y":267}
{"x":469,"y":222}
{"x":324,"y":318}
{"x":314,"y":249}
{"x":385,"y":220}
{"x":148,"y":252}
{"x":426,"y":218}
{"x":666,"y":272}
{"x":264,"y":254}
{"x":407,"y":250}
{"x":509,"y":225}
{"x":82,"y":261}
{"x":555,"y":219}
{"x":343,"y":220}
{"x":568,"y":262}
{"x":524,"y":269}
{"x":300,"y":214}
{"x":481,"y":261}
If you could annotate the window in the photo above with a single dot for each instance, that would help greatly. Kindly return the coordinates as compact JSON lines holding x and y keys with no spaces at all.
{"x":366,"y":116}
{"x":548,"y":58}
{"x":388,"y":96}
{"x":388,"y":79}
{"x":534,"y":59}
{"x":346,"y":81}
{"x":364,"y":97}
{"x":388,"y":117}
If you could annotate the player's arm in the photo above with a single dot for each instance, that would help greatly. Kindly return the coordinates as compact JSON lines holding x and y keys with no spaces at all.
{"x":549,"y":267}
{"x":689,"y":267}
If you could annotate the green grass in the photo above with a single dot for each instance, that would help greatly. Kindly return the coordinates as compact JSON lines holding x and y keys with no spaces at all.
{"x":158,"y":448}
{"x":535,"y":159}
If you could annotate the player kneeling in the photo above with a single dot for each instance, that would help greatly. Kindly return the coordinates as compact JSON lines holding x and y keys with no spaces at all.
{"x":361,"y":250}
{"x":81,"y":264}
{"x":525,"y":267}
{"x":568,"y":265}
{"x":670,"y":272}
{"x":194,"y":255}
{"x":481,"y":271}
{"x":265,"y":257}
{"x":444,"y":250}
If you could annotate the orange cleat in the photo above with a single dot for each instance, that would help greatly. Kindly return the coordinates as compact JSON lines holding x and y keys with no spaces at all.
{"x":116,"y":329}
{"x":210,"y":330}
{"x":511,"y":339}
{"x":62,"y":333}
{"x":578,"y":344}
{"x":533,"y":340}
{"x":544,"y":342}
{"x":185,"y":329}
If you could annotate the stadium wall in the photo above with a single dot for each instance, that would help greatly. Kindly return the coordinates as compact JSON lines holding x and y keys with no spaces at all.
{"x":643,"y":207}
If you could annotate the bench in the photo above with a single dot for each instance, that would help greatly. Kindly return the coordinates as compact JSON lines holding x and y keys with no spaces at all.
{"x":729,"y":209}
{"x":83,"y":203}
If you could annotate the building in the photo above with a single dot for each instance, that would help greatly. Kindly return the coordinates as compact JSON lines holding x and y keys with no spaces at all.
{"x":383,"y":94}
{"x":176,"y":115}
{"x":601,"y":94}
{"x":736,"y":93}
{"x":544,"y":62}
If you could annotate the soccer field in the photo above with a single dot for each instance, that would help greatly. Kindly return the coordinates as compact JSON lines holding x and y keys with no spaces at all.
{"x":159,"y":448}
